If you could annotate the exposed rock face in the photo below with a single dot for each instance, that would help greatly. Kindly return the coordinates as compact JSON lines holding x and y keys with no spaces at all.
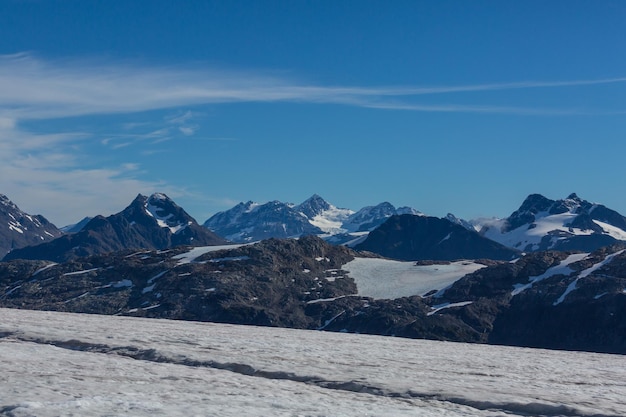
{"x":268,"y":283}
{"x":313,"y":206}
{"x":549,"y":299}
{"x":154,"y":222}
{"x":413,"y":238}
{"x":19,"y":229}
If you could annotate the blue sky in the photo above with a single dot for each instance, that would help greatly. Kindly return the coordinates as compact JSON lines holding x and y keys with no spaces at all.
{"x":463,"y":107}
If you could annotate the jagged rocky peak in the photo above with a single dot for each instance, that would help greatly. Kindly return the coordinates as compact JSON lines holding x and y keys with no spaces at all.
{"x":313,"y":206}
{"x":566,"y":224}
{"x":526,"y":214}
{"x":4,"y":200}
{"x":19,"y":229}
{"x":154,"y":222}
{"x":164,"y":211}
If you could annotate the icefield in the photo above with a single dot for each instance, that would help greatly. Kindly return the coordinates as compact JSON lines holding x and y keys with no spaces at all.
{"x":61,"y":364}
{"x":372,"y":276}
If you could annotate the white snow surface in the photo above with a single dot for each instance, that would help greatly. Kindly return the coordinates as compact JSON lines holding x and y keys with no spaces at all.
{"x":522,"y":236}
{"x":193,"y":254}
{"x":206,"y":369}
{"x":331,"y":221}
{"x":611,"y":230}
{"x":572,"y":286}
{"x":389,"y":279}
{"x":439,"y":307}
{"x":563,"y":268}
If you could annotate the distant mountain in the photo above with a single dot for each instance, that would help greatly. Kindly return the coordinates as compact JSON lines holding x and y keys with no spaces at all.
{"x":77,"y":227}
{"x":19,"y":229}
{"x":368,"y":218}
{"x":411,"y":238}
{"x":568,"y":224}
{"x":154,"y":222}
{"x":248,"y":222}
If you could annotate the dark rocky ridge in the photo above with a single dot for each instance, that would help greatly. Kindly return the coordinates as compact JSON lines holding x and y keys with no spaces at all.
{"x":300,"y":284}
{"x":134,"y":227}
{"x":412,"y":238}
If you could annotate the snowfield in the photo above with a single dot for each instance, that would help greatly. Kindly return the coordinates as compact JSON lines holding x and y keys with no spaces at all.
{"x":72,"y":364}
{"x":389,"y":279}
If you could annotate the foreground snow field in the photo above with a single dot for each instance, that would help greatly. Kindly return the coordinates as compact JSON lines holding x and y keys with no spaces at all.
{"x":72,"y":364}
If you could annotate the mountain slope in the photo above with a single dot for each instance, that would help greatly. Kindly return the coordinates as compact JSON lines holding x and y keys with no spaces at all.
{"x":19,"y":229}
{"x":568,"y":224}
{"x":409,"y":237}
{"x":154,"y":222}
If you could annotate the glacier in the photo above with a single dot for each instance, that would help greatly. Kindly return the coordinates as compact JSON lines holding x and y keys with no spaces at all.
{"x":61,"y":364}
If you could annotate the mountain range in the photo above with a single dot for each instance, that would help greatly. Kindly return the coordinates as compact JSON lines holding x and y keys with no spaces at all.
{"x":154,"y":222}
{"x":250,"y":222}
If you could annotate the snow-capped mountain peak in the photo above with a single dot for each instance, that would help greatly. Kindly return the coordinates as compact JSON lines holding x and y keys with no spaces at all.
{"x":324,"y":215}
{"x":313,"y":206}
{"x":370,"y":217}
{"x":166,"y":213}
{"x":19,"y":229}
{"x":542,"y":224}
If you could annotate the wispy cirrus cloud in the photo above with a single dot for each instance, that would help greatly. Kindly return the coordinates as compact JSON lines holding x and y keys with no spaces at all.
{"x":32,"y":88}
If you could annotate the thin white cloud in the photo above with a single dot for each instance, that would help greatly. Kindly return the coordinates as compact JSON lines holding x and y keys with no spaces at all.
{"x":31,"y":88}
{"x":186,"y":130}
{"x":479,"y":109}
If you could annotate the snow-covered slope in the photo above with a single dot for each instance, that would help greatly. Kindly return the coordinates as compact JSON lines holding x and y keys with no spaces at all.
{"x":568,"y":224}
{"x":73,"y":364}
